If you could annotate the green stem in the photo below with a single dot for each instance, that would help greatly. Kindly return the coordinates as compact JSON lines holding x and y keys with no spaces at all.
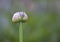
{"x":20,"y":33}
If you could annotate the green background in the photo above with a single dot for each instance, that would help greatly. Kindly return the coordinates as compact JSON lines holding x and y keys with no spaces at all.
{"x":43,"y":24}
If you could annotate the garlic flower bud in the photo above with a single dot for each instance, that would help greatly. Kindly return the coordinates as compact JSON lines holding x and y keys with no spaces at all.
{"x":19,"y":17}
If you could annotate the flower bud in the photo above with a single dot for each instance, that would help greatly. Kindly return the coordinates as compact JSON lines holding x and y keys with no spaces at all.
{"x":19,"y":17}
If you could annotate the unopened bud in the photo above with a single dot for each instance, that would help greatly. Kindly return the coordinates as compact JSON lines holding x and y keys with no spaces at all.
{"x":19,"y":17}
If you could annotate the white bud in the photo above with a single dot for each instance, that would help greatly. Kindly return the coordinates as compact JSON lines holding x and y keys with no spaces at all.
{"x":19,"y":17}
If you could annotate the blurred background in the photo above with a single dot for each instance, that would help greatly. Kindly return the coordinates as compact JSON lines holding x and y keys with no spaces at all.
{"x":43,"y":24}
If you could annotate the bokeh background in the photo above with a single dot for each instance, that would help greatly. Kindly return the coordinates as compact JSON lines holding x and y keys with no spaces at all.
{"x":43,"y":24}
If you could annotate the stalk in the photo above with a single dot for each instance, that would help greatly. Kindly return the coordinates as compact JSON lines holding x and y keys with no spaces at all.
{"x":20,"y":33}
